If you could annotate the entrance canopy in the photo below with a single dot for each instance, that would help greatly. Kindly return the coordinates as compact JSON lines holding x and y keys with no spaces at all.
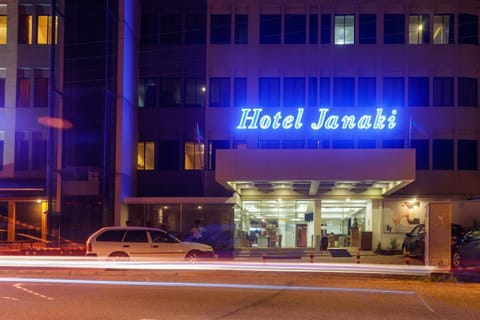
{"x":315,"y":172}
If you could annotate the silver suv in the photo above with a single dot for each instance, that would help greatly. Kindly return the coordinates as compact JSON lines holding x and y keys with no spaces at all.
{"x":125,"y":243}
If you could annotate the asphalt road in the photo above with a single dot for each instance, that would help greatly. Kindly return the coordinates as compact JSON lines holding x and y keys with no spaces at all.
{"x":152,"y":295}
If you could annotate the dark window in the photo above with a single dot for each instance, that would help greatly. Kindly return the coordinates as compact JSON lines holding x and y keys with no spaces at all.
{"x":269,"y":92}
{"x":2,"y":92}
{"x":39,"y":154}
{"x":136,"y":236}
{"x":195,"y":29}
{"x":394,"y":28}
{"x":170,"y":92}
{"x":393,"y":92}
{"x":443,"y":154}
{"x":293,"y":144}
{"x":312,"y":92}
{"x":40,"y":91}
{"x":25,"y":29}
{"x":240,"y":92}
{"x":422,"y":157}
{"x":219,"y":92}
{"x":467,"y":29}
{"x":366,"y":144}
{"x":326,"y":29}
{"x":443,"y":91}
{"x":343,"y":144}
{"x":212,"y":152}
{"x":148,"y":29}
{"x":367,"y":92}
{"x":367,"y":29}
{"x":161,"y":237}
{"x":23,"y":92}
{"x":294,"y":92}
{"x":324,"y":96}
{"x":313,"y":29}
{"x":168,"y":155}
{"x":270,"y":28}
{"x":467,"y":92}
{"x":318,"y":144}
{"x":418,"y":92}
{"x":241,"y":29}
{"x":467,"y":155}
{"x":268,"y":144}
{"x":220,"y":29}
{"x":171,"y":29}
{"x":21,"y":153}
{"x":344,"y":92}
{"x":295,"y":28}
{"x":393,"y":144}
{"x":148,"y":92}
{"x":1,"y":154}
{"x":194,"y":92}
{"x":111,"y":235}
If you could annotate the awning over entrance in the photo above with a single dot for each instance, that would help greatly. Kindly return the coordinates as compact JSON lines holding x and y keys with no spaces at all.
{"x":312,"y":173}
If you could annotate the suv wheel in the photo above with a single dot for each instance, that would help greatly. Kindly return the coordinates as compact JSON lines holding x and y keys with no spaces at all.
{"x":456,"y":259}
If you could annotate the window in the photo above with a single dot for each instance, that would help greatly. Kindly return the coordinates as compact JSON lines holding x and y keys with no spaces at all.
{"x":324,"y":92}
{"x":139,"y":236}
{"x":194,"y":155}
{"x":293,"y":144}
{"x":240,"y":92}
{"x":3,"y":29}
{"x":268,"y":144}
{"x":418,"y":29}
{"x":212,"y":151}
{"x":111,"y":236}
{"x":45,"y":30}
{"x":39,"y":152}
{"x":393,"y":144}
{"x":25,"y":29}
{"x":326,"y":29}
{"x":170,"y":92}
{"x":220,"y":28}
{"x":2,"y":92}
{"x":367,"y":33}
{"x":467,"y":92}
{"x":312,"y":91}
{"x":422,"y":157}
{"x":443,"y":32}
{"x":467,"y":29}
{"x":467,"y":155}
{"x":295,"y":28}
{"x":1,"y":153}
{"x":367,"y":92}
{"x":313,"y":29}
{"x":147,"y":92}
{"x":344,"y":92}
{"x":194,"y":92}
{"x":418,"y":92}
{"x":241,"y":29}
{"x":269,"y":92}
{"x":171,"y":29}
{"x":443,"y":91}
{"x":344,"y":30}
{"x":443,"y":154}
{"x":394,"y":29}
{"x":343,"y":144}
{"x":393,"y":92}
{"x":40,"y":89}
{"x":23,"y":89}
{"x":270,"y":28}
{"x":294,"y":92}
{"x":318,"y":144}
{"x":219,"y":92}
{"x":168,"y":155}
{"x":195,"y":29}
{"x":146,"y":155}
{"x":21,"y":152}
{"x":149,"y":29}
{"x":366,"y":144}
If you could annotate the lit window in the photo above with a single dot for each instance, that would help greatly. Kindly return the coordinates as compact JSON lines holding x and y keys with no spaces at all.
{"x":3,"y":29}
{"x":418,"y":29}
{"x":442,"y":33}
{"x":344,"y":30}
{"x":146,"y":155}
{"x":44,"y":30}
{"x":194,"y":153}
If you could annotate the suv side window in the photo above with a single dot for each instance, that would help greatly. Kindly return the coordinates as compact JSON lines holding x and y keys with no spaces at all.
{"x":136,"y":236}
{"x":161,"y":237}
{"x":111,"y":235}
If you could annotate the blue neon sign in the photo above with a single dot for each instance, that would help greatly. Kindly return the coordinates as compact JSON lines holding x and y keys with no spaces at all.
{"x":257,"y":119}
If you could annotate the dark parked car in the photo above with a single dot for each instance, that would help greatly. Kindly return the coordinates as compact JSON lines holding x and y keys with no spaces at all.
{"x":466,"y":251}
{"x":414,"y":242}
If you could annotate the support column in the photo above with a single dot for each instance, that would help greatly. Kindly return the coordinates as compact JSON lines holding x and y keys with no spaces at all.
{"x":317,"y":224}
{"x":11,"y":221}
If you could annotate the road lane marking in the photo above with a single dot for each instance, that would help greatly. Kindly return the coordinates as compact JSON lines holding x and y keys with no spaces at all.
{"x":34,"y":293}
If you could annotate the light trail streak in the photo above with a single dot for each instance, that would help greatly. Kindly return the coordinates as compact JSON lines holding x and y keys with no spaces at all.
{"x":202,"y":285}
